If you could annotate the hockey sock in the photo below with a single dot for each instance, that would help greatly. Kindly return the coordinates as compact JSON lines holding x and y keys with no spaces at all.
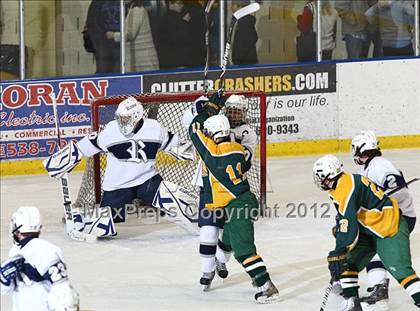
{"x":208,"y":246}
{"x":412,"y":285}
{"x":256,"y":269}
{"x":223,"y":252}
{"x":349,"y":281}
{"x":376,"y":272}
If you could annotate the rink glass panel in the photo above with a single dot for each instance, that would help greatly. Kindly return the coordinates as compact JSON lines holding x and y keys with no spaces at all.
{"x":168,"y":109}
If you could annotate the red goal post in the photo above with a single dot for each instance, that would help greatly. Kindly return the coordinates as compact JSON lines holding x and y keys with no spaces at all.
{"x":167,"y":109}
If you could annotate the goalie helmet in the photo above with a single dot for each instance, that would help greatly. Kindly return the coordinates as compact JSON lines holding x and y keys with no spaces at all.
{"x":129,"y":113}
{"x":26,"y":219}
{"x":217,"y":127}
{"x":326,"y":170}
{"x":364,"y":145}
{"x":235,"y":109}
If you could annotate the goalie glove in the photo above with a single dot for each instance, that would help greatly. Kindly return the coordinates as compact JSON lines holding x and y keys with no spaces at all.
{"x":183,"y":152}
{"x":63,"y":161}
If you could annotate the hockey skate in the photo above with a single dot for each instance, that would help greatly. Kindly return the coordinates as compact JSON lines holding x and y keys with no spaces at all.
{"x":221,"y":269}
{"x":378,"y":297}
{"x":351,"y":304}
{"x":267,"y":293}
{"x":206,"y":280}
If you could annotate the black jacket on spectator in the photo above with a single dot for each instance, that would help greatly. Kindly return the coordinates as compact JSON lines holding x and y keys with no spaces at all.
{"x":197,"y":31}
{"x":104,"y":16}
{"x":173,"y":40}
{"x":244,"y":43}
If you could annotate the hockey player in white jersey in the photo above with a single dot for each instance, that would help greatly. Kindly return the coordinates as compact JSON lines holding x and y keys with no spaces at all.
{"x":381,"y":171}
{"x":213,"y":253}
{"x":35,"y":272}
{"x":131,"y":143}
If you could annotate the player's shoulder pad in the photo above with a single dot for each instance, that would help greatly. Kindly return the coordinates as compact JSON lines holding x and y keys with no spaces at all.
{"x":343,"y":191}
{"x":229,"y":148}
{"x":41,"y":254}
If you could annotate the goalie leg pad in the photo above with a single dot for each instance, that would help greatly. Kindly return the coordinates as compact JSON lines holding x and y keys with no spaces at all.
{"x":178,"y":203}
{"x":102,"y":224}
{"x":63,"y":161}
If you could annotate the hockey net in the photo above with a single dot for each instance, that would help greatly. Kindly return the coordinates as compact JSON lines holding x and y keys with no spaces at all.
{"x":168,"y":109}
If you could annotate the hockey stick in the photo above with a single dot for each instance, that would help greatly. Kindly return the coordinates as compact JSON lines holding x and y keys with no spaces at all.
{"x":65,"y":189}
{"x":249,"y":9}
{"x":64,"y":180}
{"x":404,"y":186}
{"x":207,"y":42}
{"x":327,"y":294}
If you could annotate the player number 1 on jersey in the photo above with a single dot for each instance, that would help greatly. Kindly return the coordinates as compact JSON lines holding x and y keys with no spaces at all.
{"x":232,"y":175}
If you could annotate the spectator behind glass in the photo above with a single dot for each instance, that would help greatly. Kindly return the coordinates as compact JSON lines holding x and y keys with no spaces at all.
{"x":173,"y":37}
{"x":140,"y":49}
{"x":197,"y":29}
{"x":306,"y":23}
{"x":396,"y":21}
{"x":245,"y":37}
{"x":357,"y":33}
{"x":104,"y":16}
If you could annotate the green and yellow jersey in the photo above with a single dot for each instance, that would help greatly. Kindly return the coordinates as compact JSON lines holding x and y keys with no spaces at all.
{"x":362,"y":207}
{"x":224,"y":166}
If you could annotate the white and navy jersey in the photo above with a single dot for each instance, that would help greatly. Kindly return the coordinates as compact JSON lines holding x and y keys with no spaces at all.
{"x":44,"y":267}
{"x":130,"y":160}
{"x":383,"y":173}
{"x":245,"y":135}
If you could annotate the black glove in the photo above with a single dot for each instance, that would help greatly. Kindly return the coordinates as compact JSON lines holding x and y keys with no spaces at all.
{"x":216,"y":102}
{"x":337,"y":262}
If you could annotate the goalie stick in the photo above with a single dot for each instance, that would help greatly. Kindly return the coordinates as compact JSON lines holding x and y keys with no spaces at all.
{"x":249,"y":9}
{"x":71,"y":231}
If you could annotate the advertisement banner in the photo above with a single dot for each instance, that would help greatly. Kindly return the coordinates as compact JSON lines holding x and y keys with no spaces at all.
{"x":27,"y":118}
{"x":301,"y":102}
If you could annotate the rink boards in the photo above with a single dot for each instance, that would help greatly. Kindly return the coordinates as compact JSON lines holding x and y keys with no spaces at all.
{"x":311,"y":109}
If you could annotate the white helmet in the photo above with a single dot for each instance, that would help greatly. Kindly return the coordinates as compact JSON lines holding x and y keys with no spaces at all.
{"x":364,"y":141}
{"x":128,"y":114}
{"x":325,"y":170}
{"x":26,"y":219}
{"x":235,"y":109}
{"x":217,"y":127}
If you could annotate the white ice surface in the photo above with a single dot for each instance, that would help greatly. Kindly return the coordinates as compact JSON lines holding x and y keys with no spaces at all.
{"x":156,"y":266}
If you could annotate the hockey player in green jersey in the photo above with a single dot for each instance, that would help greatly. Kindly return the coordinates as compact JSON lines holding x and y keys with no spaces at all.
{"x":225,"y":183}
{"x":368,"y":222}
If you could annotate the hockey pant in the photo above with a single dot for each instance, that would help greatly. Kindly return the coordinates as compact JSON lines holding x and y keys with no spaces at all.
{"x":238,"y":235}
{"x":396,"y":257}
{"x":375,"y":269}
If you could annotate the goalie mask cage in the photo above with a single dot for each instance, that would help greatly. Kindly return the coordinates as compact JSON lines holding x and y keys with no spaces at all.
{"x":168,"y":109}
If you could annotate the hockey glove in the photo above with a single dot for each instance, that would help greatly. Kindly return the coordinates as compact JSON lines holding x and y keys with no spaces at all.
{"x":10,"y":270}
{"x":63,"y":161}
{"x":337,"y":262}
{"x":216,"y":102}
